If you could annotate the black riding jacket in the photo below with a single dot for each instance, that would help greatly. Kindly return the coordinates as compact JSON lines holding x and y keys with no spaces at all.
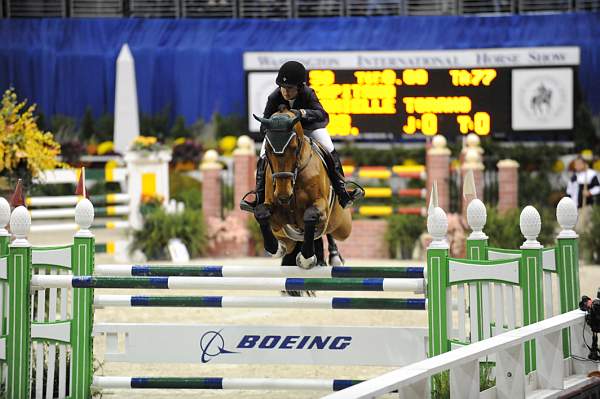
{"x":316,"y":117}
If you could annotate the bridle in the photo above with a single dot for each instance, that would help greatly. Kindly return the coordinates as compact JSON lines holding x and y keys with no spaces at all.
{"x":297,"y":167}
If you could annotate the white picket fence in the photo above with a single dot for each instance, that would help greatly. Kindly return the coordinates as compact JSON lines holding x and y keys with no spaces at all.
{"x":553,"y":375}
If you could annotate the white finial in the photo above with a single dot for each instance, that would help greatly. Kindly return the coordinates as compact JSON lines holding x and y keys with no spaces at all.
{"x":439,"y":145}
{"x":469,"y":189}
{"x":476,"y":218}
{"x":20,"y":224}
{"x":437,"y":227}
{"x":210,"y":161}
{"x":84,"y":217}
{"x":245,"y":146}
{"x":531,"y":225}
{"x":4,"y":216}
{"x":439,"y":141}
{"x":433,"y":198}
{"x":473,"y":140}
{"x":566,"y":215}
{"x":472,"y":156}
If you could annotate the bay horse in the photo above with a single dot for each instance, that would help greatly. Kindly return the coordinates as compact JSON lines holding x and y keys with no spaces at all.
{"x":300,"y":205}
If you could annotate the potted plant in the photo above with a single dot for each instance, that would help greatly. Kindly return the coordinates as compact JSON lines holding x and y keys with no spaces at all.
{"x":25,"y":150}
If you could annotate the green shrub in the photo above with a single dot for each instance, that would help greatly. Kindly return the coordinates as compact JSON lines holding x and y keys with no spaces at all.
{"x":159,"y":227}
{"x":402,"y":232}
{"x":504,"y":231}
{"x":440,"y":387}
{"x":156,"y":125}
{"x":256,"y":236}
{"x":590,"y":240}
{"x":229,"y":125}
{"x":186,"y":189}
{"x":104,"y":128}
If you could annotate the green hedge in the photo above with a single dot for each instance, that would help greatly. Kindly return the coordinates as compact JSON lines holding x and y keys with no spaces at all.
{"x":504,"y":232}
{"x":159,"y":227}
{"x":402,"y":232}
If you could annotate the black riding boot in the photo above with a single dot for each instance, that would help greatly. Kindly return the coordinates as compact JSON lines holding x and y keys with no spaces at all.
{"x":338,"y":181}
{"x":259,"y":192}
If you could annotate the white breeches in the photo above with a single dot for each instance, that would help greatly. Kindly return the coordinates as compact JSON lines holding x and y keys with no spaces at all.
{"x":321,"y":135}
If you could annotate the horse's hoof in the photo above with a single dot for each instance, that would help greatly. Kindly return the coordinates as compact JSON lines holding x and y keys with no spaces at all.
{"x":281,"y":250}
{"x":336,"y":260}
{"x":304,"y":263}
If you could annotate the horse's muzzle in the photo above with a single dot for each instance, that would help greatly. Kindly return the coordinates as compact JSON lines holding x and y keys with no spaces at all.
{"x":284,"y":199}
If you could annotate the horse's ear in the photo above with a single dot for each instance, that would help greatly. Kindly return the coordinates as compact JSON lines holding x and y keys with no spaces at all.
{"x":262,"y":120}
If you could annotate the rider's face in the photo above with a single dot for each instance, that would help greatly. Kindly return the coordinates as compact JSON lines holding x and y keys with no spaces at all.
{"x":289,"y":92}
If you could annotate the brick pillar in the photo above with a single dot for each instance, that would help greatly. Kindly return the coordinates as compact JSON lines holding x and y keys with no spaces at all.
{"x":508,"y":185}
{"x":244,"y":168}
{"x":438,"y":169}
{"x":211,"y":185}
{"x":473,"y":162}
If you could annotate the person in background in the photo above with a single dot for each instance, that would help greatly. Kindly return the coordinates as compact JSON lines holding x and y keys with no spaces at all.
{"x":298,"y":97}
{"x":584,"y":189}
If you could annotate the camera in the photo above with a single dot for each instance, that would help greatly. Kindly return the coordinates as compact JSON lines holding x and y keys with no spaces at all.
{"x":592,"y":318}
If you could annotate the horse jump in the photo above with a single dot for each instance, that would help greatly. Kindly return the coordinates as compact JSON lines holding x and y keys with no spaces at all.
{"x":516,"y":268}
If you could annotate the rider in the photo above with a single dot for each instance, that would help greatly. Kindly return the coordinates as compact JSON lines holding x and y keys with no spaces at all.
{"x":293,"y":92}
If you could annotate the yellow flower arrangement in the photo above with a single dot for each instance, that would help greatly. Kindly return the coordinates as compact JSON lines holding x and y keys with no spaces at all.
{"x":227,"y":144}
{"x":105,"y":147}
{"x":146,"y":143}
{"x":24,"y":148}
{"x":558,"y":166}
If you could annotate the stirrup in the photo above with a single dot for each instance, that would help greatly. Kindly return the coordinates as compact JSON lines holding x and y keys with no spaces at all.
{"x":249,"y":206}
{"x":349,"y":197}
{"x":358,"y":193}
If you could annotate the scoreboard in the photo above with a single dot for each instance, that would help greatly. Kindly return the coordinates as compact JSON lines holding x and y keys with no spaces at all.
{"x":413,"y":101}
{"x":507,"y":93}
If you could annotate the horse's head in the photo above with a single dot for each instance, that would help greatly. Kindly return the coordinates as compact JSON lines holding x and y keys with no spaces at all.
{"x":284,"y":144}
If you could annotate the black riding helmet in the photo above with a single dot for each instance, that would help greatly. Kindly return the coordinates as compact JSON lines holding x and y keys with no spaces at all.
{"x":292,"y":73}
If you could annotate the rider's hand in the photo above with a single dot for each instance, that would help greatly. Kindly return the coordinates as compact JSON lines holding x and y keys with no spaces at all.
{"x":300,"y":113}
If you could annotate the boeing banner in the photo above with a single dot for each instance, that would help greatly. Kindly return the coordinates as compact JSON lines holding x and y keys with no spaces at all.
{"x":181,"y":343}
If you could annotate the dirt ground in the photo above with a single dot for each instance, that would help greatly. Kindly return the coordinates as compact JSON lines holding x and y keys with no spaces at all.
{"x":589,"y":277}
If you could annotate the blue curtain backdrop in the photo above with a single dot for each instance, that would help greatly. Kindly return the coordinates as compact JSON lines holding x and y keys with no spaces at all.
{"x":65,"y":65}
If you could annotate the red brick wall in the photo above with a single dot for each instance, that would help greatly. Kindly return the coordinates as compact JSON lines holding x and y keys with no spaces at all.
{"x":366,"y":241}
{"x":508,"y":187}
{"x":211,"y":193}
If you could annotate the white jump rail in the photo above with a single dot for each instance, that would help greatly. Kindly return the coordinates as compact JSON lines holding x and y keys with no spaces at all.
{"x":553,"y":373}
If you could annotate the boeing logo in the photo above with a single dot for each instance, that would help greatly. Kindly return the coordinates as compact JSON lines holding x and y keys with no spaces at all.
{"x":212,"y":345}
{"x":294,"y":342}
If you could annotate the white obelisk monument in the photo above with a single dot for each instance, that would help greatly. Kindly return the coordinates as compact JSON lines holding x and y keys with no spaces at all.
{"x":127,"y":124}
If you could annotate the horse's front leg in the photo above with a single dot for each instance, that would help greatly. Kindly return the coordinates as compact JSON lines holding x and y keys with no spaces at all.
{"x":262,"y":213}
{"x":306,"y":259}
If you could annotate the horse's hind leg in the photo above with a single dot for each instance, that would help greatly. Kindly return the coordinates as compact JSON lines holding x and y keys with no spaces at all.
{"x":335,"y":258}
{"x":320,"y":252}
{"x":290,"y":259}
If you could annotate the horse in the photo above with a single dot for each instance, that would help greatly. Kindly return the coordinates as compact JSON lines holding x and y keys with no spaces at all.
{"x":300,"y":204}
{"x":541,"y":101}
